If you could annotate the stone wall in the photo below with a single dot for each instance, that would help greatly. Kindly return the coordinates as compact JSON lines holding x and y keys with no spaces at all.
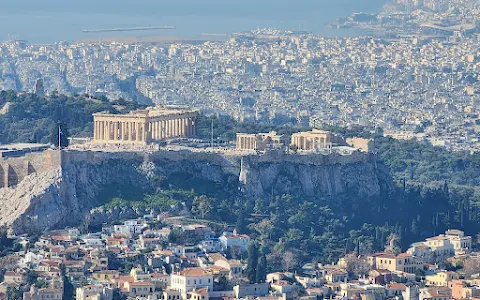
{"x":14,"y":169}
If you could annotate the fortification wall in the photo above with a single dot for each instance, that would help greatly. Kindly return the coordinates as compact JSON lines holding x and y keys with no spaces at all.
{"x":312,"y":159}
{"x":14,"y":169}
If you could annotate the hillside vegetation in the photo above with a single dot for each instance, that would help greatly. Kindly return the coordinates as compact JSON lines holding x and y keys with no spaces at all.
{"x":28,"y":118}
{"x":436,"y":189}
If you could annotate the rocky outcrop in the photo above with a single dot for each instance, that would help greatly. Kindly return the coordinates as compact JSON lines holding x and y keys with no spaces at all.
{"x":65,"y":195}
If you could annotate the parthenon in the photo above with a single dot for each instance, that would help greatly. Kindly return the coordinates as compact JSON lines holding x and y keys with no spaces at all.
{"x":144,"y":126}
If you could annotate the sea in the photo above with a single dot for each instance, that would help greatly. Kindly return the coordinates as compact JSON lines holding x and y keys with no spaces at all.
{"x":50,"y":21}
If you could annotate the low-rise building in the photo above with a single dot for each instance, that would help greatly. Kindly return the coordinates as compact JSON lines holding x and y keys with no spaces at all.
{"x":462,"y":289}
{"x":461,"y":243}
{"x":336,"y":275}
{"x":136,"y":289}
{"x":403,"y":262}
{"x":435,"y":293}
{"x":190,"y":278}
{"x":14,"y":278}
{"x":233,"y":266}
{"x":94,"y":292}
{"x":441,"y":278}
{"x":253,"y":290}
{"x":228,"y":240}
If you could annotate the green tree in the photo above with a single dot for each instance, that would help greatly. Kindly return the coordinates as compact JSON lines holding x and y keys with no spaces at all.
{"x":261,"y":273}
{"x":241,"y":225}
{"x":68,"y":288}
{"x":14,"y":293}
{"x":203,"y":206}
{"x":252,"y":262}
{"x":222,"y":283}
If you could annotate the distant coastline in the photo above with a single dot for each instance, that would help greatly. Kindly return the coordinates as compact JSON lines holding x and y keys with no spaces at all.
{"x":125,"y":29}
{"x":38,"y":23}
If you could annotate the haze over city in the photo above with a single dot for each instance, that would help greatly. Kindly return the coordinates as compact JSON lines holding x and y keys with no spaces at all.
{"x":240,"y":149}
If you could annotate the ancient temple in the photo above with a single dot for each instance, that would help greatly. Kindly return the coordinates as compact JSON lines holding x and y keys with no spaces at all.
{"x":145,"y":126}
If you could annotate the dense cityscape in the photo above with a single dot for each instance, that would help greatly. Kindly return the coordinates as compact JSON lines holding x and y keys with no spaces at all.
{"x":418,"y":86}
{"x":264,"y":164}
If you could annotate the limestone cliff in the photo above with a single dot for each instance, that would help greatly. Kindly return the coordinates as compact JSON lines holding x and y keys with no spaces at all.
{"x":65,"y":195}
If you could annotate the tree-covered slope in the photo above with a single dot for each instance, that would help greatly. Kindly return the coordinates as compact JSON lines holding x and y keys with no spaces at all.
{"x":28,"y":118}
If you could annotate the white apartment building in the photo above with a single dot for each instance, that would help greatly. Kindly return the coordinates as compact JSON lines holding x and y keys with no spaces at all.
{"x":189,"y":279}
{"x":444,"y":245}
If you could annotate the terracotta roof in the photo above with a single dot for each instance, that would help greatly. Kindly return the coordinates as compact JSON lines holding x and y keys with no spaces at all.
{"x":234,"y":263}
{"x":73,"y":263}
{"x":64,"y":238}
{"x":164,"y":252}
{"x":49,"y":263}
{"x":218,"y":269}
{"x":141,"y":283}
{"x":201,"y":291}
{"x":396,"y":286}
{"x":192,"y":272}
{"x":216,"y":256}
{"x":280,"y":282}
{"x":123,"y":279}
{"x":238,"y":236}
{"x":383,"y":255}
{"x":438,"y":292}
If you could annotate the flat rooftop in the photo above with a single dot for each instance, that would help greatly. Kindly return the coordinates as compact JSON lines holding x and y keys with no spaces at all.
{"x":23,"y":146}
{"x":19,"y":149}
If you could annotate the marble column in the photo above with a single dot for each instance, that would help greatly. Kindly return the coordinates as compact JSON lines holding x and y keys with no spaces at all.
{"x":194,"y":126}
{"x":115,"y":131}
{"x":98,"y":130}
{"x":164,"y":129}
{"x":182,"y":127}
{"x":187,"y":126}
{"x":170,"y":128}
{"x":146,"y":133}
{"x":137,"y":131}
{"x":161,"y":129}
{"x":104,"y":130}
{"x":175,"y":127}
{"x":132,"y":131}
{"x":153,"y":130}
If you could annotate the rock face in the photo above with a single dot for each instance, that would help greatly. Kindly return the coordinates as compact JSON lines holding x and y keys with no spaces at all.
{"x":65,"y":195}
